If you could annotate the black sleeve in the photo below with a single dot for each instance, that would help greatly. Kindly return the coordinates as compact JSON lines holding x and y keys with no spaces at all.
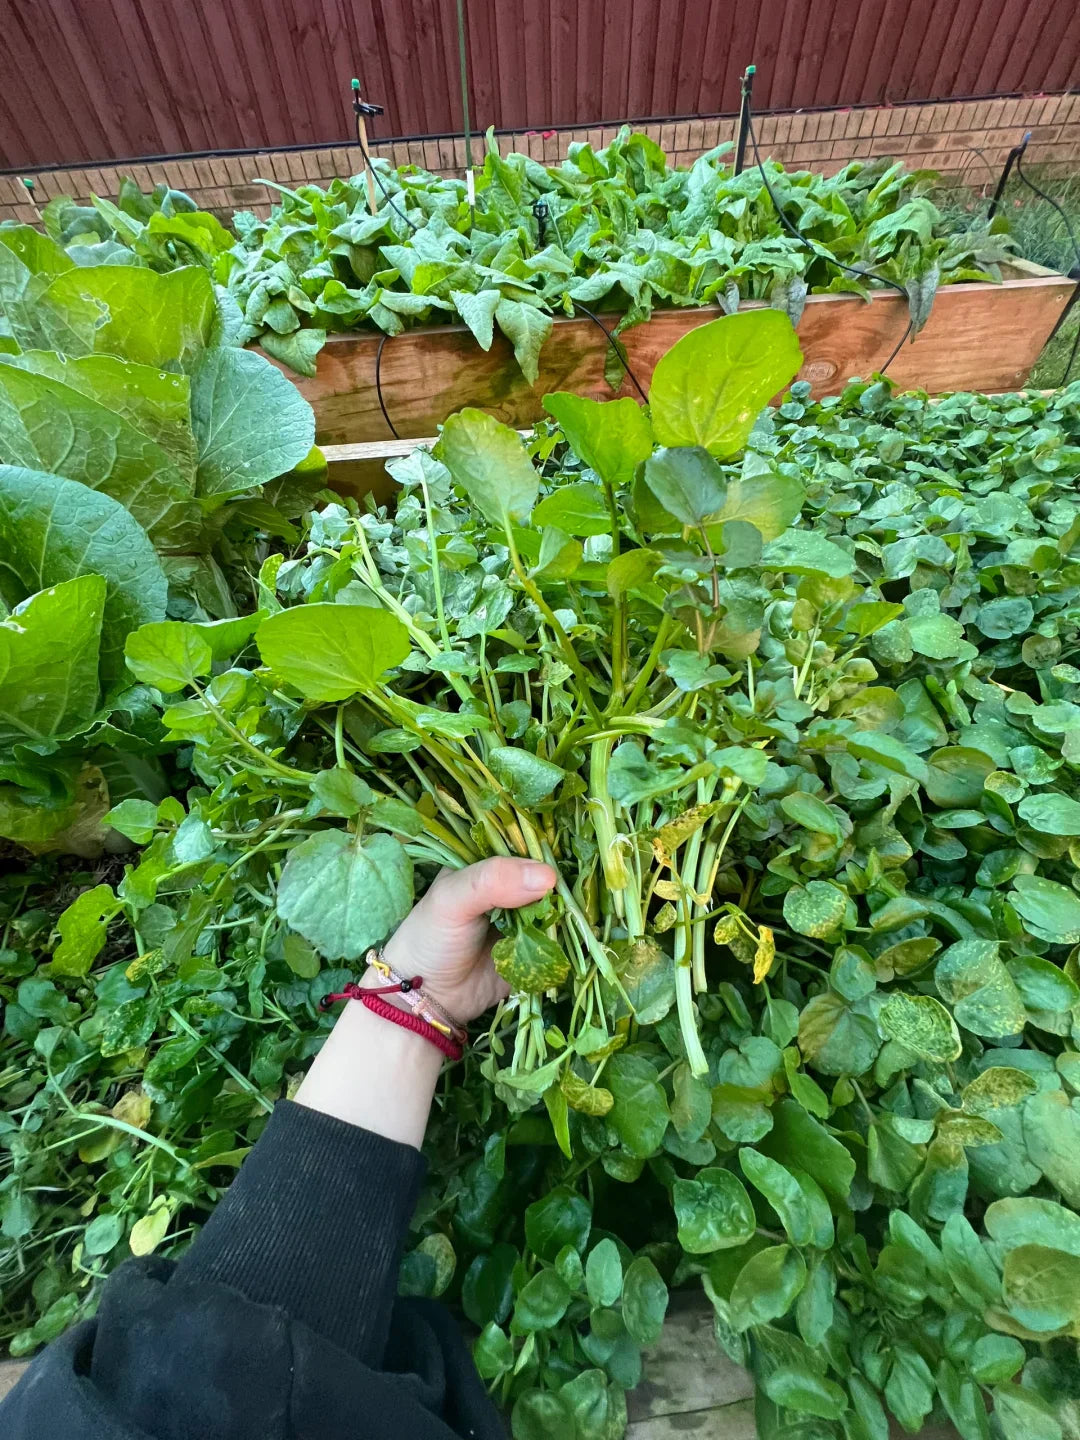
{"x":314,"y":1223}
{"x":279,"y":1321}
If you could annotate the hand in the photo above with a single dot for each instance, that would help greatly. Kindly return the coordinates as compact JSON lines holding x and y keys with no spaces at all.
{"x":446,"y":939}
{"x":381,"y":1077}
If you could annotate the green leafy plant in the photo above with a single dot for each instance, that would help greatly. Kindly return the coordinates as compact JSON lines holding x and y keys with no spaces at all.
{"x":787,"y":700}
{"x":616,"y":228}
{"x":138,"y":446}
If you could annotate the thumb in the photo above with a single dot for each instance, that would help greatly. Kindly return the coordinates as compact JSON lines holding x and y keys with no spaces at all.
{"x":462,"y":896}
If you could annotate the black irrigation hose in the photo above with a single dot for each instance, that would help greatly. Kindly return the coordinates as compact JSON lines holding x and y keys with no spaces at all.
{"x":825,"y":254}
{"x":623,"y":361}
{"x":386,"y":193}
{"x":1075,"y":273}
{"x":378,"y":386}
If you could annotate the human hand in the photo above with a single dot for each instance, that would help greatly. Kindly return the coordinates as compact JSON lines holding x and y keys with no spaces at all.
{"x":446,"y":939}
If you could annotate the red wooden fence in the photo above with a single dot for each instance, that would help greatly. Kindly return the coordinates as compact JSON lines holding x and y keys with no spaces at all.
{"x":93,"y":80}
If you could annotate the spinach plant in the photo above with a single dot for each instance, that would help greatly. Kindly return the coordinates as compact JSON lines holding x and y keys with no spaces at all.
{"x":616,"y":228}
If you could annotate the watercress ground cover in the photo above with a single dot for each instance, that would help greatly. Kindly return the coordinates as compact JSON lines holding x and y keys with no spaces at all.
{"x":789,"y":703}
{"x":616,"y":229}
{"x":141,"y":452}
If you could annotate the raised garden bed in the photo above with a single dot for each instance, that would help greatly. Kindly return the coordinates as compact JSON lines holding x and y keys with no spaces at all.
{"x":978,"y":337}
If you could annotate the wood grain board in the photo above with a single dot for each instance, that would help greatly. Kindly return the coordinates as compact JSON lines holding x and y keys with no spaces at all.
{"x":979,"y":337}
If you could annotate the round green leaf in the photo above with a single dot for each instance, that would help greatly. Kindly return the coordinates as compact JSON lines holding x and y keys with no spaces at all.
{"x":767,"y":1286}
{"x":956,"y":776}
{"x":644,"y":1301}
{"x":604,"y":1273}
{"x":491,"y":465}
{"x":639,"y":1115}
{"x":530,"y":961}
{"x":559,"y":1218}
{"x":1051,"y":911}
{"x":343,"y":895}
{"x":103,"y":1234}
{"x":612,"y":437}
{"x":1041,"y":1287}
{"x":714,"y":1212}
{"x":168,"y":654}
{"x":710,"y":387}
{"x":816,"y":909}
{"x":923,"y":1025}
{"x":542,"y":1302}
{"x":1050,"y":813}
{"x":331,"y":652}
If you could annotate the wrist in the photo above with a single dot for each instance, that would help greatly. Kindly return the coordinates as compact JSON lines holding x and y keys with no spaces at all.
{"x":374,"y":1074}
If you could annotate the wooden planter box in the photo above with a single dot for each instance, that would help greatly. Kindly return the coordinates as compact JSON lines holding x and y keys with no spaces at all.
{"x":978,"y":337}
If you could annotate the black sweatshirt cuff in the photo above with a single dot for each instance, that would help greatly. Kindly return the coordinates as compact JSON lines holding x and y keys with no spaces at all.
{"x":314,"y":1223}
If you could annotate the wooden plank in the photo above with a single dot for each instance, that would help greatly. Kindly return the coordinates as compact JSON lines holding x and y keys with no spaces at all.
{"x":978,"y":337}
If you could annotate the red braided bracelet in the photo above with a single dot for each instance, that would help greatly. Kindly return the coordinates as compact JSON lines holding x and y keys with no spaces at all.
{"x":405,"y":1018}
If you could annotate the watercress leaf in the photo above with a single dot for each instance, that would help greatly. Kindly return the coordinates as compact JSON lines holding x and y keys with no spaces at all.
{"x":1052,"y":1136}
{"x":713,"y":1211}
{"x":493,"y":1352}
{"x":82,"y":928}
{"x":782,"y":1191}
{"x":604,"y":1273}
{"x":816,"y":909}
{"x":1041,"y":1287}
{"x":344,"y":895}
{"x":529,"y":778}
{"x":575,"y":509}
{"x":806,"y":552}
{"x":612,"y":437}
{"x":639,"y":1115}
{"x":331,"y":652}
{"x":168,"y":655}
{"x":103,"y":1234}
{"x":767,"y":1286}
{"x":1051,"y":910}
{"x":1025,"y":1220}
{"x":340,"y":792}
{"x":995,"y":1358}
{"x":762,"y":497}
{"x":644,"y":1301}
{"x":542,"y":1302}
{"x":487,"y":1292}
{"x":129,"y":1025}
{"x":1023,"y":1414}
{"x":710,"y":387}
{"x":542,"y":1415}
{"x":1050,"y":813}
{"x":923,"y":1025}
{"x":150,"y":1229}
{"x":687,"y":481}
{"x":530,"y":961}
{"x":491,"y":465}
{"x":134,"y":819}
{"x":559,"y":1218}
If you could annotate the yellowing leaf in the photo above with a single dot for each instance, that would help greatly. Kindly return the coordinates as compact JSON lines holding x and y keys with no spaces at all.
{"x":765,"y":953}
{"x":148,"y":1233}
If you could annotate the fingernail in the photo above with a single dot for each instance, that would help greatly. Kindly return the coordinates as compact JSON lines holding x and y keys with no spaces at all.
{"x":537,"y":877}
